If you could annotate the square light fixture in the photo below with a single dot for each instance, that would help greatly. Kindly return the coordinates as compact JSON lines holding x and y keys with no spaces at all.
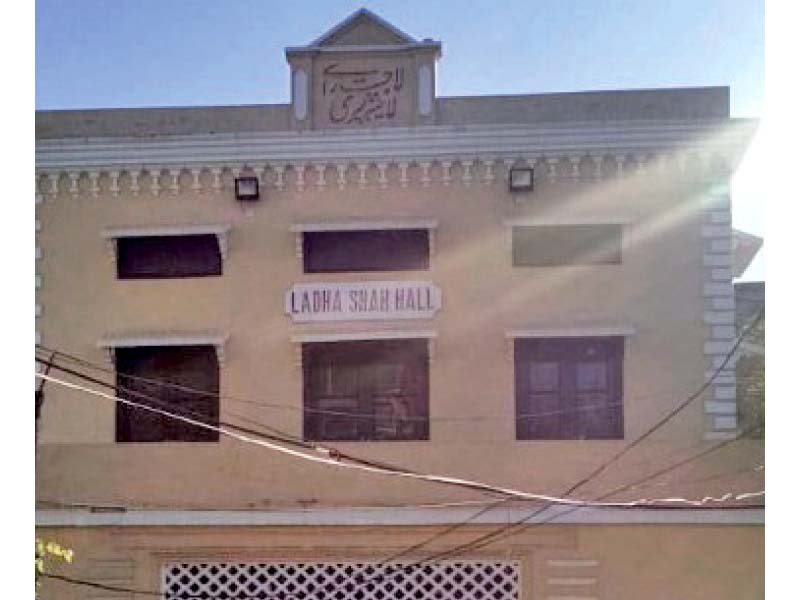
{"x":520,"y":179}
{"x":246,"y":189}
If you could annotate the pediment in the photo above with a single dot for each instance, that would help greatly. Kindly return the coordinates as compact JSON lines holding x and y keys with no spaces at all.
{"x":363,"y":28}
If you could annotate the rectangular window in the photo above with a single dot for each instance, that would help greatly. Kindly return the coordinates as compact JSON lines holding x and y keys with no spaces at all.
{"x":549,"y":245}
{"x":366,"y":390}
{"x":190,"y":368}
{"x":569,"y":388}
{"x":369,"y":250}
{"x":159,"y":257}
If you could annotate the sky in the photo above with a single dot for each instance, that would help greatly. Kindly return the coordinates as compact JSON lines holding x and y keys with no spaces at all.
{"x":134,"y":53}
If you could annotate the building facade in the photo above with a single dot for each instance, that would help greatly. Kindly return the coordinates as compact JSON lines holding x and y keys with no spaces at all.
{"x":310,"y":309}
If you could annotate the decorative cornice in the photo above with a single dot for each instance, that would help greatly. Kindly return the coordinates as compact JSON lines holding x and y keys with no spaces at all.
{"x":445,"y":155}
{"x":394,"y":144}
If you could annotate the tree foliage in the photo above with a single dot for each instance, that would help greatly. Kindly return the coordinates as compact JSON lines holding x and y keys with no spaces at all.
{"x":46,"y":553}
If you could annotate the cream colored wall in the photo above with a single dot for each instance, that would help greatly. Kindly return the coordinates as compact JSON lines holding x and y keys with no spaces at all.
{"x":642,"y":561}
{"x":656,"y":290}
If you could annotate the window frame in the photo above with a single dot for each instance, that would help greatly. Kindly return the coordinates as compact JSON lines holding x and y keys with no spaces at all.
{"x":421,"y":261}
{"x":117,"y":238}
{"x":211,"y":346}
{"x":349,"y":354}
{"x":565,"y":352}
{"x":623,"y":222}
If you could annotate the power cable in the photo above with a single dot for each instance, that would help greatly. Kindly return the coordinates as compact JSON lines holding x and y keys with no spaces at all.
{"x":523,"y":523}
{"x":133,"y":506}
{"x":314,"y":410}
{"x":329,"y":457}
{"x":287,"y":435}
{"x":493,"y":536}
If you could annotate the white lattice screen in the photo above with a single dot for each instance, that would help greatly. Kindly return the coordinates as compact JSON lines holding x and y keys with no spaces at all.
{"x":458,"y":580}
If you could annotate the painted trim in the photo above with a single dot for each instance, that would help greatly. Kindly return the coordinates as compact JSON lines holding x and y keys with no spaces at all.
{"x":397,"y":334}
{"x":572,"y":563}
{"x":623,"y":330}
{"x":361,"y":13}
{"x":206,"y":338}
{"x":380,"y":517}
{"x":406,"y":143}
{"x":393,"y":48}
{"x":569,"y":220}
{"x":209,"y":338}
{"x":164,"y":230}
{"x":364,"y":225}
{"x":221,"y":231}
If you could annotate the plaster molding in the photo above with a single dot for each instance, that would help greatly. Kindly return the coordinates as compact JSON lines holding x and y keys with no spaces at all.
{"x":533,"y":221}
{"x":346,"y":336}
{"x":447,"y":145}
{"x":585,"y":331}
{"x":364,"y":225}
{"x":389,"y":516}
{"x":718,"y":317}
{"x":135,"y":340}
{"x":221,"y":231}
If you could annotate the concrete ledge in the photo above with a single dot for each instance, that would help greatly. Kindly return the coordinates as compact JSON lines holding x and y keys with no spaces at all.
{"x":718,"y":317}
{"x":720,"y":408}
{"x":388,"y":516}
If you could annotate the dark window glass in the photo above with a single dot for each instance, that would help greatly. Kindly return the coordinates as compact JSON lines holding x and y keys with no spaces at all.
{"x":547,"y":245}
{"x":379,"y":250}
{"x":370,"y":390}
{"x":569,"y":388}
{"x":194,"y":367}
{"x":157,"y":257}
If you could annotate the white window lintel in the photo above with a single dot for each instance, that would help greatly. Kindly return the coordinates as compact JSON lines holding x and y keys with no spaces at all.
{"x":342,"y":336}
{"x":362,"y":225}
{"x":562,"y":332}
{"x":545,"y":220}
{"x":137,"y":340}
{"x":552,"y":332}
{"x":221,"y":230}
{"x":357,"y":336}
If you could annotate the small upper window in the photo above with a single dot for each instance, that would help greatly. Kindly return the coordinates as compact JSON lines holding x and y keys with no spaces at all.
{"x":365,"y":250}
{"x":193,"y":372}
{"x":548,"y":245}
{"x":569,"y":388}
{"x":158,"y":257}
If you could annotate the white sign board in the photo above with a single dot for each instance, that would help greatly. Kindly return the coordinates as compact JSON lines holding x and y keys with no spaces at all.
{"x":363,"y":301}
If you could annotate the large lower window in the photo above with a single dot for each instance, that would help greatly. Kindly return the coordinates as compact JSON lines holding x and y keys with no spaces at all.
{"x":193,"y":370}
{"x":569,"y":388}
{"x":366,"y":390}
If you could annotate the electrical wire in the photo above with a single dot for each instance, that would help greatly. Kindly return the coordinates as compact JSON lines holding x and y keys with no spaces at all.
{"x":372,"y":465}
{"x":337,"y":459}
{"x":491,"y":537}
{"x":484,"y":540}
{"x":133,"y":506}
{"x":286,"y":435}
{"x":494,"y":536}
{"x":313,"y":410}
{"x":524,"y":523}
